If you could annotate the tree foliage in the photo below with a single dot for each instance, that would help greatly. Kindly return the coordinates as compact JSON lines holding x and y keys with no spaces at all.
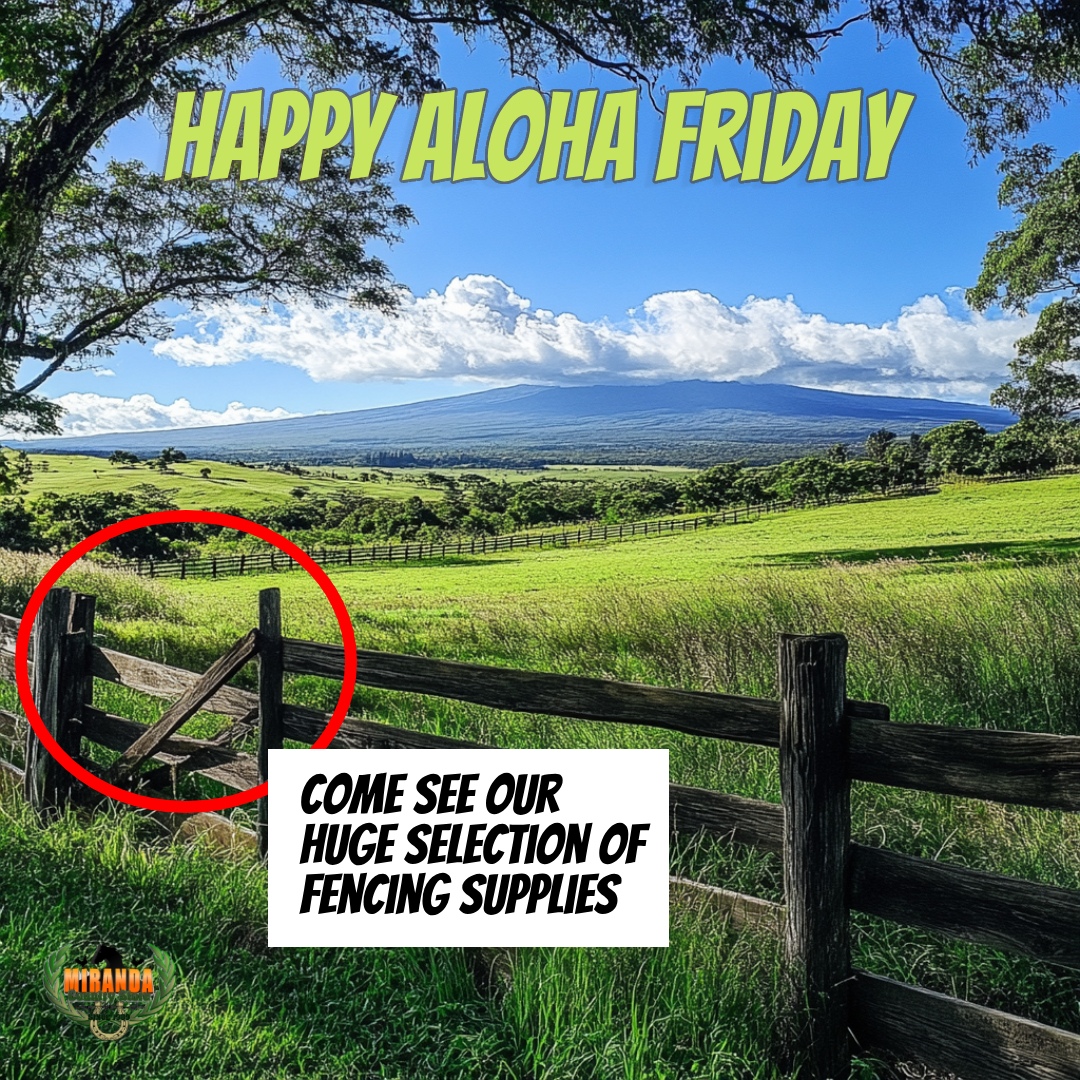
{"x":878,"y":442}
{"x":57,"y":522}
{"x":1022,"y":449}
{"x":714,"y":488}
{"x":171,"y":456}
{"x":1040,"y":257}
{"x":121,"y":242}
{"x":957,"y":448}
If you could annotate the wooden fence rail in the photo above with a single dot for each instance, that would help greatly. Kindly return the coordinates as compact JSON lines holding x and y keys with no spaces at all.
{"x":261,"y":562}
{"x":274,"y":561}
{"x":825,"y":740}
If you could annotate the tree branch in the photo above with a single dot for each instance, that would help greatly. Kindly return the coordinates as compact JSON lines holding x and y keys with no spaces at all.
{"x":33,"y":384}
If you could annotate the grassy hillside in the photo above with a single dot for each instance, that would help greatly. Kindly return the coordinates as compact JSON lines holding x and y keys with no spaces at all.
{"x":227,"y":486}
{"x":1024,"y":521}
{"x":961,"y":608}
{"x":247,"y":488}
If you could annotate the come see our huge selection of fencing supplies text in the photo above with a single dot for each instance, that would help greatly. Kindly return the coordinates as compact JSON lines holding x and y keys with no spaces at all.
{"x":469,"y":848}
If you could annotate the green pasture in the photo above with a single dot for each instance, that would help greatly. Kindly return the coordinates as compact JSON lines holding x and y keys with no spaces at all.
{"x":961,"y":608}
{"x":227,"y":486}
{"x":248,"y":488}
{"x":1014,"y":522}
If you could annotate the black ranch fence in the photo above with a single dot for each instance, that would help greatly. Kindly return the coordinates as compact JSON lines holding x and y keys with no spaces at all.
{"x":824,"y":741}
{"x":263,"y":561}
{"x":272,"y":561}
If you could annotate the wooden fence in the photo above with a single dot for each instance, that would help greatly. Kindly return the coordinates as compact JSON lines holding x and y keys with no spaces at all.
{"x":824,"y":739}
{"x":263,"y":561}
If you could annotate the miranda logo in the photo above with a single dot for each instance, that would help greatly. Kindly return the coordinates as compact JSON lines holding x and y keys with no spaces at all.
{"x":135,"y":994}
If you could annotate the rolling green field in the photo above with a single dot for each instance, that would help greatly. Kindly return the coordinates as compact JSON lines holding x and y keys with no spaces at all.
{"x":961,"y":608}
{"x":247,"y":488}
{"x":227,"y":485}
{"x":978,"y":522}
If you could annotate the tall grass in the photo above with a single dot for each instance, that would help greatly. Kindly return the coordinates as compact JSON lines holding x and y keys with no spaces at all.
{"x":120,"y":596}
{"x":974,"y":643}
{"x":985,"y":645}
{"x":704,"y":1007}
{"x":241,"y":1011}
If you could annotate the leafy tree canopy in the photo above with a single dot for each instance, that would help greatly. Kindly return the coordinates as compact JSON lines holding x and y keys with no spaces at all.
{"x":715,"y":487}
{"x":1040,"y":257}
{"x":1022,"y":448}
{"x":878,"y":442}
{"x":57,"y":522}
{"x":957,"y":448}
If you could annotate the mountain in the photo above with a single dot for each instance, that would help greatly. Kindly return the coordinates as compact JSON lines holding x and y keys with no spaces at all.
{"x":691,"y":421}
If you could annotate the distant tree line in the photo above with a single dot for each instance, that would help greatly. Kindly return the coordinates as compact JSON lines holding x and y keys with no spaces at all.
{"x":1036,"y":437}
{"x":169,"y":456}
{"x":472,"y":504}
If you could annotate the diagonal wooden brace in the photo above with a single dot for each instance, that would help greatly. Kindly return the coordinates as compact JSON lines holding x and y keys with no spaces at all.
{"x":189,"y":704}
{"x":205,"y":755}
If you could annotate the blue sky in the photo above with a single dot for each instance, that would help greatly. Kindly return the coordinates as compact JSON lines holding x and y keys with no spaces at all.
{"x":849,"y":286}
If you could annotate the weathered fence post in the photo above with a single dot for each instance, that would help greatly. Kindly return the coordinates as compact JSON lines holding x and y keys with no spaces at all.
{"x":60,"y":685}
{"x":271,"y":677}
{"x":77,"y":659}
{"x":815,"y":786}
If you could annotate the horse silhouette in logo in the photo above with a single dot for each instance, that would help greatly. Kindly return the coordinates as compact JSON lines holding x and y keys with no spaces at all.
{"x":135,"y":994}
{"x":108,"y":955}
{"x":111,"y":958}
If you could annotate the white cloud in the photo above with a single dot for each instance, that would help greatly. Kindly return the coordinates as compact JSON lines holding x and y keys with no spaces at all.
{"x":94,"y":414}
{"x":480,"y":330}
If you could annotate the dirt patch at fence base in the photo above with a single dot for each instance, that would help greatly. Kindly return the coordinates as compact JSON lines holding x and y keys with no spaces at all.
{"x":219,"y":831}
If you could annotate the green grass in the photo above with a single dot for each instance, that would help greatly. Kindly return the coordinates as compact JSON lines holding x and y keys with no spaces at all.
{"x":698,"y":1008}
{"x":962,"y":608}
{"x":1025,"y":522}
{"x":246,"y":489}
